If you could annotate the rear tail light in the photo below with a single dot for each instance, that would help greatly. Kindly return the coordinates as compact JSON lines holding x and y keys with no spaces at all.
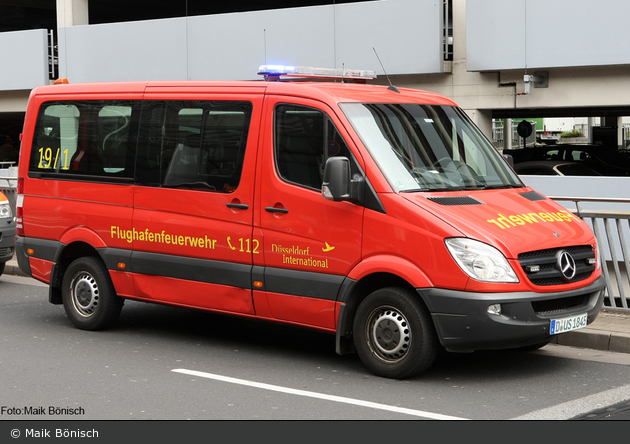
{"x":18,"y":207}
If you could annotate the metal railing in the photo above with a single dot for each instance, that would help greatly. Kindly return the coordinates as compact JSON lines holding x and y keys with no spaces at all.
{"x":612,"y":231}
{"x":53,"y":57}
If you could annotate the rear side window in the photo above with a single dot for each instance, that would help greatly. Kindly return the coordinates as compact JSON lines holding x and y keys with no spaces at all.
{"x":193,"y":144}
{"x":176,"y":144}
{"x":93,"y":139}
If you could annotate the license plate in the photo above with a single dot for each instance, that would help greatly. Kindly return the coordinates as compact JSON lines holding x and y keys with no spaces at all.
{"x":567,"y":324}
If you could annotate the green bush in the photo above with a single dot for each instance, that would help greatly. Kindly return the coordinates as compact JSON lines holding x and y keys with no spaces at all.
{"x":572,"y":133}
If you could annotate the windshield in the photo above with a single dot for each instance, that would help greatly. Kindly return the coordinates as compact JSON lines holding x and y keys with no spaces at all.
{"x":428,"y":147}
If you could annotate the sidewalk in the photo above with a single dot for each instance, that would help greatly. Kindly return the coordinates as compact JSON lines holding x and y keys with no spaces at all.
{"x":610,"y":331}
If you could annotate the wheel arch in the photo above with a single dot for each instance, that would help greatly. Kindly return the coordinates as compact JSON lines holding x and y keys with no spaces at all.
{"x":352,"y":293}
{"x":65,"y":257}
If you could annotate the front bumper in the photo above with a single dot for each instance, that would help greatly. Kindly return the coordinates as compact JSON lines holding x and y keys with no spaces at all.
{"x":463,"y":323}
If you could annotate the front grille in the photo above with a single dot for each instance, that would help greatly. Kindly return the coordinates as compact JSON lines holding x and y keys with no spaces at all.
{"x":547,"y":263}
{"x":560,"y":305}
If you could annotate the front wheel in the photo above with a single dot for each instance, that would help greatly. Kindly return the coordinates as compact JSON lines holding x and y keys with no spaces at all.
{"x":88,"y":295}
{"x":394,"y":335}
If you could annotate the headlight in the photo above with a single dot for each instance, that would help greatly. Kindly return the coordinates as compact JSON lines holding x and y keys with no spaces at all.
{"x":480,"y":261}
{"x":5,"y":210}
{"x":598,"y":256}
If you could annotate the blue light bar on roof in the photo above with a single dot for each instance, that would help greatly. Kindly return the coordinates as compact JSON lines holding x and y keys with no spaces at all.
{"x":309,"y":71}
{"x":275,"y":70}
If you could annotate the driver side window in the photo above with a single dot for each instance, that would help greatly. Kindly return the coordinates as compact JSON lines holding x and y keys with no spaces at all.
{"x":304,"y":139}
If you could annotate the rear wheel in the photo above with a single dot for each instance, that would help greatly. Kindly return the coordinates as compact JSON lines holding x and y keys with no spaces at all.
{"x":2,"y":267}
{"x":88,"y":295}
{"x":394,"y":335}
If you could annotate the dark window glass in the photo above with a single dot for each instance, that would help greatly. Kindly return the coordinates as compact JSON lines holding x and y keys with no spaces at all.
{"x":537,"y":171}
{"x":576,"y":169}
{"x":108,"y":11}
{"x":193,"y":144}
{"x":304,"y":139}
{"x":88,"y":138}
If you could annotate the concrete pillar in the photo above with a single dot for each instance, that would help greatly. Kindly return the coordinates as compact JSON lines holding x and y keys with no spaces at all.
{"x":69,"y":13}
{"x":620,"y":132}
{"x":72,"y":13}
{"x":483,"y":119}
{"x":591,"y":123}
{"x":507,"y":134}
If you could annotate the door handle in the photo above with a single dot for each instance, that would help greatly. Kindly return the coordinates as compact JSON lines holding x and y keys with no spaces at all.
{"x":237,"y":205}
{"x":276,"y":210}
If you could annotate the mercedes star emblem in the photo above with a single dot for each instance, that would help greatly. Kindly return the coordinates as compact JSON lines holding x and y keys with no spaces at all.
{"x":566,"y":264}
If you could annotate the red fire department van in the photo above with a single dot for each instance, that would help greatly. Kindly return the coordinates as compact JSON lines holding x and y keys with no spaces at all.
{"x":377,"y":214}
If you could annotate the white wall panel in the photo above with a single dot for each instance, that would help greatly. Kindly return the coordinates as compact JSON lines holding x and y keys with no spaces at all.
{"x":530,"y":34}
{"x":147,"y":50}
{"x":25,"y":59}
{"x":233,"y":46}
{"x":577,"y":33}
{"x":495,"y":34}
{"x":406,"y":34}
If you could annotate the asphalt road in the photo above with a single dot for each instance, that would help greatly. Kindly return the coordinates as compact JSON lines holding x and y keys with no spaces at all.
{"x":169,"y":363}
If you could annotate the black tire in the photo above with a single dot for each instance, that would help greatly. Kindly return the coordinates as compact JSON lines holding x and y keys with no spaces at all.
{"x":2,"y":267}
{"x":394,"y":335}
{"x":88,"y":295}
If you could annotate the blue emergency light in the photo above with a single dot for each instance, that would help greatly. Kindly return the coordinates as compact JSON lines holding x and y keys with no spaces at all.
{"x":274,"y":72}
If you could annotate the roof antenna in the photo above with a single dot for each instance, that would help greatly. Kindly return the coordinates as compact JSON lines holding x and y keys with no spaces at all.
{"x":390,"y":87}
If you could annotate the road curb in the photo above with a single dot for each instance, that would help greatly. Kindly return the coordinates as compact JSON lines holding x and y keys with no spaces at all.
{"x":586,"y":338}
{"x":620,"y":342}
{"x":12,"y":268}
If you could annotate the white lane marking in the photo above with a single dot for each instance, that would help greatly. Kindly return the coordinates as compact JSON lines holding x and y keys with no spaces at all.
{"x":277,"y":388}
{"x":571,"y":409}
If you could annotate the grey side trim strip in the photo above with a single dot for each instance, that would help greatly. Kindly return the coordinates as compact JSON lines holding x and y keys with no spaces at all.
{"x":277,"y":280}
{"x":303,"y":283}
{"x":47,"y":250}
{"x":113,"y":256}
{"x":20,"y":254}
{"x":193,"y":269}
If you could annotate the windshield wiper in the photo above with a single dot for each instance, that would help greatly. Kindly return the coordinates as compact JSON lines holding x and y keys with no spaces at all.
{"x":498,"y":187}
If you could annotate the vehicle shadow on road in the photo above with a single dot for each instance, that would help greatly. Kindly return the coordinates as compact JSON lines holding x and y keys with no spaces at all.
{"x":186,"y":325}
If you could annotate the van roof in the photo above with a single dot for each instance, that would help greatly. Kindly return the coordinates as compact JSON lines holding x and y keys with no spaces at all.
{"x":324,"y":91}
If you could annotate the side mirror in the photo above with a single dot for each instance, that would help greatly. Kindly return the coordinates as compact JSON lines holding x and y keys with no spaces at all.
{"x":509,"y":159}
{"x":336,"y":183}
